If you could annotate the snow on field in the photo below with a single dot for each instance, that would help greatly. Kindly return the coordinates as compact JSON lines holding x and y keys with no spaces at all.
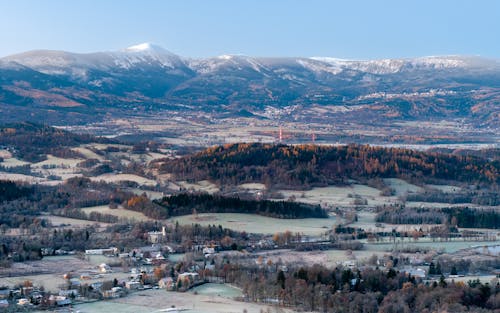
{"x":5,"y":154}
{"x":153,"y":195}
{"x":54,"y":166}
{"x":252,"y":186}
{"x":252,"y":223}
{"x":89,"y":154}
{"x":13,"y":162}
{"x":203,"y":185}
{"x":329,"y":258}
{"x":402,"y":187}
{"x":59,"y":220}
{"x":221,"y":290}
{"x":21,"y":178}
{"x":155,"y":156}
{"x":148,"y":301}
{"x":446,"y":246}
{"x":339,"y":196}
{"x":113,"y":178}
{"x":58,"y":162}
{"x":119,"y":212}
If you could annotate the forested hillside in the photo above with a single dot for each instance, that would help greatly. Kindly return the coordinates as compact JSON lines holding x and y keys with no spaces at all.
{"x":304,"y":166}
{"x":32,"y":142}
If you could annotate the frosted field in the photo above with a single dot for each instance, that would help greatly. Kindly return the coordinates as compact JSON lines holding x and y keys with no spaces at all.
{"x":119,"y":212}
{"x":446,"y":246}
{"x":149,"y":301}
{"x":21,"y":178}
{"x":259,"y":224}
{"x":58,"y":220}
{"x":89,"y":154}
{"x":328,"y":258}
{"x":59,"y":162}
{"x":50,"y":282}
{"x":221,"y":290}
{"x":151,"y":194}
{"x":64,"y":168}
{"x":401,"y":187}
{"x":12,"y":162}
{"x":5,"y":154}
{"x":203,"y":185}
{"x":114,"y":178}
{"x":252,"y":186}
{"x":339,"y":196}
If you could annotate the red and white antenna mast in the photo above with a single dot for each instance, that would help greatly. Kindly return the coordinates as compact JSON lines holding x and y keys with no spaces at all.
{"x":281,"y":134}
{"x":313,"y":137}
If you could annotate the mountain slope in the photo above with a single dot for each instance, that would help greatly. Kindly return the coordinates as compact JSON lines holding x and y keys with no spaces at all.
{"x":148,"y":77}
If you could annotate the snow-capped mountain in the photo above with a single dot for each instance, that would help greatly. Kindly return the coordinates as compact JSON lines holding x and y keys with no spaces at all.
{"x":78,"y":65}
{"x":391,"y":66}
{"x":150,"y":76}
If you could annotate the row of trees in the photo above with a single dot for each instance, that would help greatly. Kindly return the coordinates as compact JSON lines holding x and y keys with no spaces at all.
{"x":185,"y":203}
{"x":489,"y":197}
{"x":455,"y":216}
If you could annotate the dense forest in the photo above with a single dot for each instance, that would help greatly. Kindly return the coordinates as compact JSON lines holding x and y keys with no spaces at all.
{"x":10,"y":190}
{"x":456,"y":216}
{"x":186,"y":203}
{"x":304,"y":166}
{"x":32,"y":142}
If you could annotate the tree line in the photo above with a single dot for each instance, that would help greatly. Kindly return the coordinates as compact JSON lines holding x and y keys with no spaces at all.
{"x":455,"y":216}
{"x":186,"y":203}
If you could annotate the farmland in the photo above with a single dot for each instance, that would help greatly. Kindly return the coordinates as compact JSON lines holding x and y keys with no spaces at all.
{"x":119,"y":199}
{"x":259,"y":224}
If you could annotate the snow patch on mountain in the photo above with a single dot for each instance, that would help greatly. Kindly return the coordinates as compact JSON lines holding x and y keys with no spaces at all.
{"x":319,"y":66}
{"x":145,"y":53}
{"x":392,"y":66}
{"x":204,"y":66}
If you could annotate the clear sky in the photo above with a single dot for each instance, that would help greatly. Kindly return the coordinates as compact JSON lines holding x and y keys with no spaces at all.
{"x":346,"y":29}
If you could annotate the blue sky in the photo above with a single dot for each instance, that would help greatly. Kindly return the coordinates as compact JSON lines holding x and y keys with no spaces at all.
{"x":346,"y":29}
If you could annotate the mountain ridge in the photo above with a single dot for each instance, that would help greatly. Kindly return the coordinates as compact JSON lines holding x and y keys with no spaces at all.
{"x":148,"y":76}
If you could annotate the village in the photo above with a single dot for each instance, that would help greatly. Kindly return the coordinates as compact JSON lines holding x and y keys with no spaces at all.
{"x":104,"y":274}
